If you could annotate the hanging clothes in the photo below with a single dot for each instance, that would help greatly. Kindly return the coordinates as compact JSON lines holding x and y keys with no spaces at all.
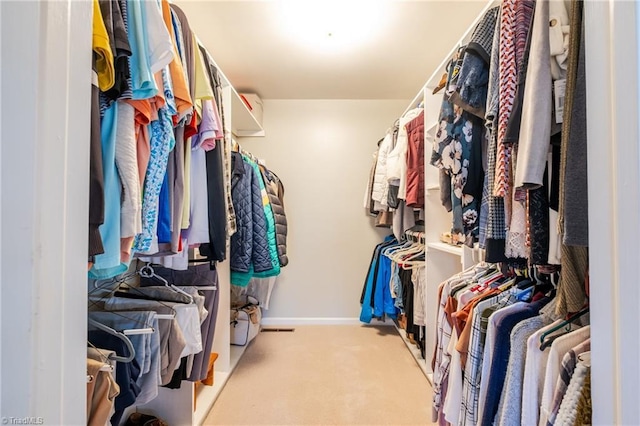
{"x":457,"y":150}
{"x":161,"y":174}
{"x":102,"y":388}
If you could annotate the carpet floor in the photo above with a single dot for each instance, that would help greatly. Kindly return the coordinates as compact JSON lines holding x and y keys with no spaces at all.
{"x":325,"y":375}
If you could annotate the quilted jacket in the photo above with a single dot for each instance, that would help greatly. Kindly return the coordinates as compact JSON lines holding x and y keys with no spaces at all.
{"x":249,"y":245}
{"x":271,"y":228}
{"x":273,"y":183}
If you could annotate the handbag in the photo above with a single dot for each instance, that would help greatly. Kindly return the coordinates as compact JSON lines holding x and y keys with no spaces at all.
{"x":245,"y":322}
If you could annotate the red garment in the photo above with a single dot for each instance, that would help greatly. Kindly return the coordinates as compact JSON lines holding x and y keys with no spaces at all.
{"x":415,"y":162}
{"x":191,"y":129}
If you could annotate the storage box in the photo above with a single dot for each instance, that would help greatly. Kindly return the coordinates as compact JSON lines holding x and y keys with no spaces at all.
{"x":254,"y":103}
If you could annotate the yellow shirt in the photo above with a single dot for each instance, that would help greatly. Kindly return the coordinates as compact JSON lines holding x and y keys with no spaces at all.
{"x":102,"y":49}
{"x":203,"y":88}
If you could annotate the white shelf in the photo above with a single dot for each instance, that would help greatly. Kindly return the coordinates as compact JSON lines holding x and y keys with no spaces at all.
{"x":208,"y":395}
{"x":422,"y":363}
{"x":433,"y":187}
{"x":243,"y":123}
{"x":432,"y":130}
{"x":236,"y":354}
{"x":446,"y":248}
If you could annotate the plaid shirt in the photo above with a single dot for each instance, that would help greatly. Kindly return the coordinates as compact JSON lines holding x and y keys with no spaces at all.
{"x":442,"y":358}
{"x":569,"y":363}
{"x":473,"y":367}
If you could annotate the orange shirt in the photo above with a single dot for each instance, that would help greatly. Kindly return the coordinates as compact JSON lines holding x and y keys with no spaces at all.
{"x":463,"y":317}
{"x":180,"y":89}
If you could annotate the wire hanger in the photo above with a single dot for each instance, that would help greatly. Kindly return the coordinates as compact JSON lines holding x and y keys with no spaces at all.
{"x":113,"y":289}
{"x":148,"y":272}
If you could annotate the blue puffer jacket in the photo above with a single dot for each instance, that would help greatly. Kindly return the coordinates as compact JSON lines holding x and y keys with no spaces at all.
{"x":249,"y":245}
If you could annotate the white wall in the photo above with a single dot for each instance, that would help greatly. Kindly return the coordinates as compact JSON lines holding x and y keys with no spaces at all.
{"x":613,"y":99}
{"x":322,"y":150}
{"x":46,"y":81}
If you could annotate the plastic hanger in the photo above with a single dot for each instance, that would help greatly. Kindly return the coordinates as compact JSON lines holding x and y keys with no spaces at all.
{"x":387,"y":251}
{"x":544,"y":342}
{"x":400,"y":255}
{"x":119,"y":335}
{"x":416,"y":251}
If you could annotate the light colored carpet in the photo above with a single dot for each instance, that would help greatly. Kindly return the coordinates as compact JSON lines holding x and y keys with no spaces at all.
{"x":325,"y":375}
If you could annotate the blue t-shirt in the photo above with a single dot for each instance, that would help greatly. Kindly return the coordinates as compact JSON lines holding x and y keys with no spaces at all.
{"x":142,"y":80}
{"x":164,"y":212}
{"x":108,"y":264}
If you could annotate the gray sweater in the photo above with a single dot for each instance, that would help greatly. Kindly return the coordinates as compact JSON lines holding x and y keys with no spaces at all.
{"x":510,"y":406}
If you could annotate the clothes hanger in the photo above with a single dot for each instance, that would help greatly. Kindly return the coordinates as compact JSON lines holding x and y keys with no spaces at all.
{"x":394,"y":246}
{"x":134,"y":331}
{"x":122,"y":280}
{"x":414,"y":263}
{"x":418,"y":250}
{"x":412,"y":260}
{"x":544,"y":343}
{"x":390,"y":250}
{"x":104,"y":358}
{"x":400,"y":255}
{"x":119,"y":335}
{"x":148,"y":272}
{"x":107,"y":368}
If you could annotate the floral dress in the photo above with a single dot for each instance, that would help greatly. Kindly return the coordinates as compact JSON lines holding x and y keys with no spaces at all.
{"x":457,"y":150}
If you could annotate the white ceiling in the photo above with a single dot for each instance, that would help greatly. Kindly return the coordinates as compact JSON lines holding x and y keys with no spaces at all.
{"x":248,"y":41}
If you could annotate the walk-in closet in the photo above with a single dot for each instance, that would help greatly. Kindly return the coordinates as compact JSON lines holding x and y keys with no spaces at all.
{"x":319,"y":212}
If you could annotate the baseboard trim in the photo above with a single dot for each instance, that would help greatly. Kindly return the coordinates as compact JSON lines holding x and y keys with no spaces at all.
{"x":281,"y":321}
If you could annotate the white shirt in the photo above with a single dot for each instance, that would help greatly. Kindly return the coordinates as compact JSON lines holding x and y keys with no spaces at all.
{"x":188,"y":318}
{"x":127,"y":162}
{"x":160,"y":45}
{"x":534,"y":372}
{"x":559,"y":348}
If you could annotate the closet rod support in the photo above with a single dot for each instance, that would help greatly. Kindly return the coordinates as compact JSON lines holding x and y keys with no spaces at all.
{"x":207,"y":288}
{"x":165,"y":316}
{"x":136,"y":331}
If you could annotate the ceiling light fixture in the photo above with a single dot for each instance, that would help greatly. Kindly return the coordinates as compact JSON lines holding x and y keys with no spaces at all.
{"x":332,"y":24}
